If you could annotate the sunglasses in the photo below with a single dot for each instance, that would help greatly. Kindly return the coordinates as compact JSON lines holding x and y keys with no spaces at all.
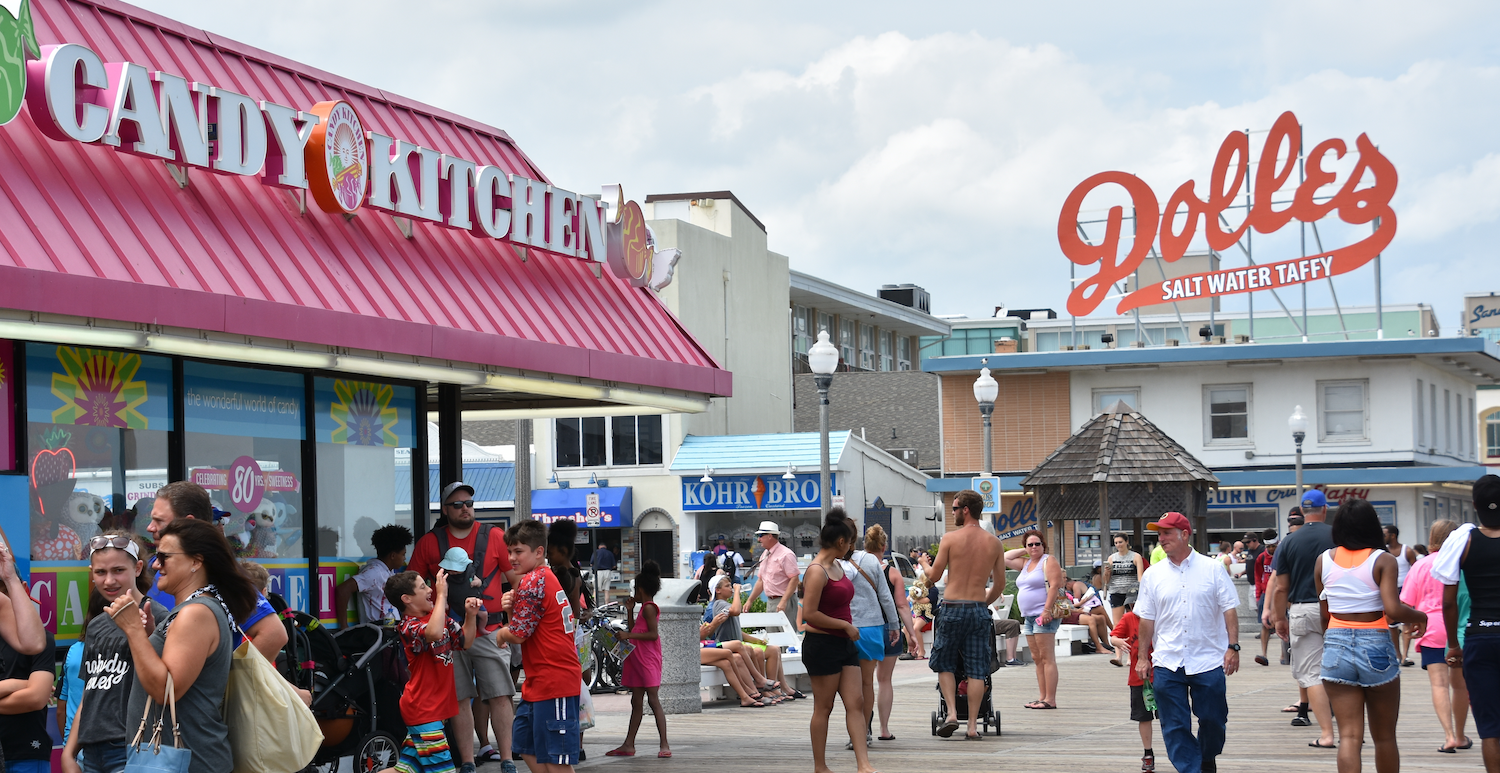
{"x":1033,"y":544}
{"x":118,"y":541}
{"x":459,"y":504}
{"x":162,"y":555}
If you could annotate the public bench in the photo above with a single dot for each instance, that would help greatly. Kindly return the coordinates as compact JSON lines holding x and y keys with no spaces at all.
{"x":777,"y":631}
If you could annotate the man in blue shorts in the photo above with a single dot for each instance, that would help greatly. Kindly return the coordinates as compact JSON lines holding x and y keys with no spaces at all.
{"x":965,"y":636}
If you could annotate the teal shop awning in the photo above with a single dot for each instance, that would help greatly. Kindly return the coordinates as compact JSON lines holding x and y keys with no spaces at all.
{"x":615,"y":506}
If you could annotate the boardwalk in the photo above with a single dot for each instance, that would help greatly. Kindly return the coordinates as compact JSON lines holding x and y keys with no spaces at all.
{"x":1089,"y":731}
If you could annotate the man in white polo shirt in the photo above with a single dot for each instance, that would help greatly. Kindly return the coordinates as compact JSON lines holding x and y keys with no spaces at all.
{"x":776,"y":572}
{"x":1190,"y":632}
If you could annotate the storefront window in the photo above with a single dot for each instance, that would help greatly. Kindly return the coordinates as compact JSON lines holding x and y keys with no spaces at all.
{"x":847,"y":341}
{"x":903,"y":353}
{"x":800,"y":338}
{"x":243,"y":442}
{"x":366,"y":433}
{"x":96,"y":443}
{"x":630,"y":440}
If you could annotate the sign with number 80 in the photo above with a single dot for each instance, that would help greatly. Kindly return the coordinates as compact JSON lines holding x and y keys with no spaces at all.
{"x":246,"y":484}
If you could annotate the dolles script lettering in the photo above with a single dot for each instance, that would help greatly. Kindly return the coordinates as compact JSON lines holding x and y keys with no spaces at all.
{"x":1354,"y":205}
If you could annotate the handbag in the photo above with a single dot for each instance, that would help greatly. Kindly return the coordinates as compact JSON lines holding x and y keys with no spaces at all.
{"x":152,"y":757}
{"x":270,"y":729}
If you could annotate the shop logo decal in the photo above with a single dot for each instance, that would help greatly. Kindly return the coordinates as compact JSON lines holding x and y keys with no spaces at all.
{"x":99,"y":389}
{"x":364,"y":414}
{"x":758,"y":490}
{"x":17,"y":41}
{"x":337,"y":158}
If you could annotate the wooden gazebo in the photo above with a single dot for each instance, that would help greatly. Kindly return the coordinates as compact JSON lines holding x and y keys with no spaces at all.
{"x":1120,"y":466}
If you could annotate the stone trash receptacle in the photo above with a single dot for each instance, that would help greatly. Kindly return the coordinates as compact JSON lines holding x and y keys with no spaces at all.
{"x":678,"y":629}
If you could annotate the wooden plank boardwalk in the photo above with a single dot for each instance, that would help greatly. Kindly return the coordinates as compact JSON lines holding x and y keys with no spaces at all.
{"x":1090,"y":731}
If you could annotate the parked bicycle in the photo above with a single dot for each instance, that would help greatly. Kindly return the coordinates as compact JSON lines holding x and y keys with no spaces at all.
{"x":601,"y":668}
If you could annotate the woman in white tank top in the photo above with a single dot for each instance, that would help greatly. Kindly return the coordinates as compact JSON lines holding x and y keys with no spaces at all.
{"x":1356,"y":583}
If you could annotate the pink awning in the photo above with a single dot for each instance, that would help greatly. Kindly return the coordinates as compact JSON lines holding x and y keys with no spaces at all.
{"x":88,"y":231}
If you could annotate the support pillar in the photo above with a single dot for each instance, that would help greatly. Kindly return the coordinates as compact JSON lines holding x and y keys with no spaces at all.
{"x":450,"y":436}
{"x":523,"y":470}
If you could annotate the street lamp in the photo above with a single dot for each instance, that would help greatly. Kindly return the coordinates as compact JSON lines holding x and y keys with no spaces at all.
{"x":1297,"y":422}
{"x":986,"y":389}
{"x":823,"y":358}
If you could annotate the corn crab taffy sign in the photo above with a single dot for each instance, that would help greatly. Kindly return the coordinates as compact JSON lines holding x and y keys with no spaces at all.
{"x":1156,"y":225}
{"x":73,"y":95}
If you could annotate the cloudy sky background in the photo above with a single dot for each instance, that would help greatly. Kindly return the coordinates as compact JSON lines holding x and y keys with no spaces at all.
{"x":935,"y":143}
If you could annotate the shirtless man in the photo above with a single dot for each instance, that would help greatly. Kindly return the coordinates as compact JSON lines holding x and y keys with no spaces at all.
{"x":964,"y":632}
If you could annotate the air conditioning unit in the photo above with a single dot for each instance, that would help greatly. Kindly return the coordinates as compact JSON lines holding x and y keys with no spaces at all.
{"x":1173,"y":342}
{"x":907,"y":455}
{"x":704,"y":203}
{"x":1242,"y":339}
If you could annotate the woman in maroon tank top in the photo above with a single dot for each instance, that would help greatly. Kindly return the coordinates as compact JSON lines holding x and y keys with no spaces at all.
{"x":828,"y":650}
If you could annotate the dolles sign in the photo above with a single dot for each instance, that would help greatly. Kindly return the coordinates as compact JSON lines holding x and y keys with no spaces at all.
{"x":72,"y":95}
{"x":1231,"y":172}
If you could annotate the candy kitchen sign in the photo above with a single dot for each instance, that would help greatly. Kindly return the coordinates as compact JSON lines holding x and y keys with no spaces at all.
{"x":73,"y":95}
{"x":1164,"y":227}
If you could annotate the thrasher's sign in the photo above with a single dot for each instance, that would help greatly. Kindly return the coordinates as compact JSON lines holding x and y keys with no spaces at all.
{"x":1154,"y":225}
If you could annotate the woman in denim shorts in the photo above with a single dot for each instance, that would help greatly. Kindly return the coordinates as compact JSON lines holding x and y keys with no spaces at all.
{"x":1361,"y":669}
{"x":1037,"y":587}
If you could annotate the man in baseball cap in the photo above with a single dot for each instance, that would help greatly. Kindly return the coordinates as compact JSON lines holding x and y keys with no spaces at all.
{"x":1294,"y":609}
{"x":483,"y":670}
{"x":1191,"y":602}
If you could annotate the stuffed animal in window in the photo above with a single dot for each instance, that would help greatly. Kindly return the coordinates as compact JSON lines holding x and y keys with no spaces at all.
{"x":264,"y":520}
{"x":84,"y":512}
{"x":238,"y":529}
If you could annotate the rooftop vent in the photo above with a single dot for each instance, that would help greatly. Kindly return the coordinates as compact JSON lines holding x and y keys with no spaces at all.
{"x":908,"y":295}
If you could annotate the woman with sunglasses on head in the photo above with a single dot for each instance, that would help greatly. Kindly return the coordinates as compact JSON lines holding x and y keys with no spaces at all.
{"x":1037,"y":587}
{"x":100,"y":726}
{"x":193,"y":643}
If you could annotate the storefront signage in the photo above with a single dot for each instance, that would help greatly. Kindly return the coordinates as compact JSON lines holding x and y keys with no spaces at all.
{"x":73,"y":95}
{"x":1018,"y":514}
{"x":1481,"y":312}
{"x":609,"y":507}
{"x":1233,"y":496}
{"x":1231,"y":171}
{"x":754,"y":492}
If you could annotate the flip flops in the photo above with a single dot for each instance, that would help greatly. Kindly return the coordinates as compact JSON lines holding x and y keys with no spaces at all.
{"x":948,"y":728}
{"x":619,"y":753}
{"x":1317,"y":745}
{"x":664,"y":755}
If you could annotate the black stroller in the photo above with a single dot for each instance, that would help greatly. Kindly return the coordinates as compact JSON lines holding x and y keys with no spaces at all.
{"x":987,"y":716}
{"x":356,"y":676}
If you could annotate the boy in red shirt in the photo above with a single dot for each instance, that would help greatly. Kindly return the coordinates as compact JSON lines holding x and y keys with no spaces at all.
{"x":546,"y":732}
{"x":430,"y":638}
{"x":1125,"y":635}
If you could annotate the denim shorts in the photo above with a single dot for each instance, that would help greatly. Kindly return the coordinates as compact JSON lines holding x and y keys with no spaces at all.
{"x":1031,"y":626}
{"x":547,"y":730}
{"x":1363,"y":657}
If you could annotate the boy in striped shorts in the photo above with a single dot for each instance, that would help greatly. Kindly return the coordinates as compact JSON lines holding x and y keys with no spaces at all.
{"x":429,"y":637}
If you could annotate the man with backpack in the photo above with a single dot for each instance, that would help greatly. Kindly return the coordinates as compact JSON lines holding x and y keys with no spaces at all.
{"x":483,"y":670}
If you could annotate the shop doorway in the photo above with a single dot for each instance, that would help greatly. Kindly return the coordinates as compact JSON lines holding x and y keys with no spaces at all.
{"x":655,"y":530}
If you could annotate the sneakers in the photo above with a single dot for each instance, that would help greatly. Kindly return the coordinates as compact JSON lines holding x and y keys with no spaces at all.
{"x":467,"y":767}
{"x":1301,"y":721}
{"x":1148,"y":765}
{"x":869,"y":743}
{"x":506,"y":766}
{"x":1014,"y":662}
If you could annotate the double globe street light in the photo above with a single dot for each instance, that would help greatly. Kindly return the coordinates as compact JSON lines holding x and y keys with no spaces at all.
{"x":823,"y":359}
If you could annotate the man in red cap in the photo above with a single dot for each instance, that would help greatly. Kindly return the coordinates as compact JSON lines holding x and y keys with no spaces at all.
{"x":1190,"y":631}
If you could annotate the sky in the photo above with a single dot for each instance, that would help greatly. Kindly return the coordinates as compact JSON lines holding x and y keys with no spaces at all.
{"x":935,"y":143}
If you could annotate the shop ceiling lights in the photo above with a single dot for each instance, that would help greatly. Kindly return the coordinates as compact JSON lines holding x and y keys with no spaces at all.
{"x":408,"y":370}
{"x":71,"y":334}
{"x":499,"y":414}
{"x":197,"y":347}
{"x":543,"y":386}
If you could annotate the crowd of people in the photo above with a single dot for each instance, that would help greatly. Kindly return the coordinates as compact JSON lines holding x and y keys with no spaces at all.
{"x":1345,"y":595}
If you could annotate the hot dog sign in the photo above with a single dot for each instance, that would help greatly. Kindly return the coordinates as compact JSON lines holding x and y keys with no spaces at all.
{"x":1364,"y":198}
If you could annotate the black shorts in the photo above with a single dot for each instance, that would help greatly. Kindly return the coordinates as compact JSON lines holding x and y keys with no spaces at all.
{"x":1482,"y":672}
{"x":1432,"y":655}
{"x":897,"y":648}
{"x":1138,"y":712}
{"x":823,"y":655}
{"x":1117,"y":600}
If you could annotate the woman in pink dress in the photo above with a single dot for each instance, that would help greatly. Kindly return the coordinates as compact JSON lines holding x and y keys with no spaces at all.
{"x":641,"y":671}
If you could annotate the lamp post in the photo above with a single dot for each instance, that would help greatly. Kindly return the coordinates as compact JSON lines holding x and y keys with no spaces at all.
{"x":986,"y":389}
{"x":823,"y":358}
{"x":1297,"y":422}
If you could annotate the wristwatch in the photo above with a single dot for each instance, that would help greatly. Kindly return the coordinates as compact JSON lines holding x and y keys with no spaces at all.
{"x":1235,"y":647}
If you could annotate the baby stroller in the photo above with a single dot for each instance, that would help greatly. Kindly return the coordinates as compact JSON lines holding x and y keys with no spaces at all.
{"x":356,"y":676}
{"x":986,"y":714}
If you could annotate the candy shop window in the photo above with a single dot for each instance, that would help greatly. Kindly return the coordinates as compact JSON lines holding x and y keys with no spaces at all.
{"x":97,"y":423}
{"x":365,"y":435}
{"x":243,"y":442}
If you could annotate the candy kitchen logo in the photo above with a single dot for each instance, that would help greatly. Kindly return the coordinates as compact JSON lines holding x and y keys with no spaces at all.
{"x":1355,"y":205}
{"x":75,"y":96}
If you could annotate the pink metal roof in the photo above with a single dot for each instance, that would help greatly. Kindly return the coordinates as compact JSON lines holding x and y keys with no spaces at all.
{"x":88,"y":231}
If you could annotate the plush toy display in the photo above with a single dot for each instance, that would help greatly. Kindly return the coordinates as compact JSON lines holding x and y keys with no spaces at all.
{"x":84,"y":513}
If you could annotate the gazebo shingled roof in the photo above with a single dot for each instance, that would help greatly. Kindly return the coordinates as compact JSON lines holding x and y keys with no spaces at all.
{"x":1120,"y":466}
{"x":1119,"y":446}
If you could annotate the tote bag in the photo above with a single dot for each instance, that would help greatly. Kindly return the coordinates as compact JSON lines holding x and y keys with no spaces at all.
{"x":270,"y":730}
{"x":152,"y":757}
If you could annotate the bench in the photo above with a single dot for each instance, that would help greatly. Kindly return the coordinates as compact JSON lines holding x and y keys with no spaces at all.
{"x":776,"y":630}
